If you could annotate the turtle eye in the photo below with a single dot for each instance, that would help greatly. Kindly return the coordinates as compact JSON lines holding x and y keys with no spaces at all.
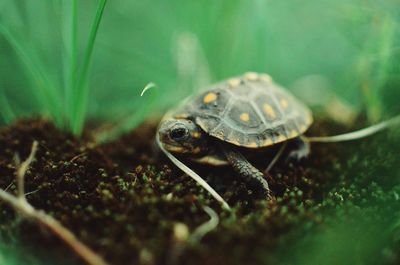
{"x":179,"y":133}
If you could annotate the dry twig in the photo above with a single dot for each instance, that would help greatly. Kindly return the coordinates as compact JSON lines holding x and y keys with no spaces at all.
{"x":20,"y":204}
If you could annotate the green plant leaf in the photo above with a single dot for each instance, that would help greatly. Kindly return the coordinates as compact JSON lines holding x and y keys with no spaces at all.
{"x":70,"y":55}
{"x":47,"y":93}
{"x":81,"y":88}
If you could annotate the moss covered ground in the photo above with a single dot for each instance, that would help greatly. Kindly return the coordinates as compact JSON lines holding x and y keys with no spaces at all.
{"x":132,"y":206}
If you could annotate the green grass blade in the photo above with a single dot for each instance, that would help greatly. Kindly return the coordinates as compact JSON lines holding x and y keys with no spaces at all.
{"x":6,"y":112}
{"x":374,"y":69}
{"x":80,"y":93}
{"x":70,"y":55}
{"x":385,"y":45}
{"x":46,"y":91}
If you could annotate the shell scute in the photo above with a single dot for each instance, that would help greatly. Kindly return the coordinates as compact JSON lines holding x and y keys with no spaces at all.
{"x":250,"y":112}
{"x":269,"y":108}
{"x":241,"y":116}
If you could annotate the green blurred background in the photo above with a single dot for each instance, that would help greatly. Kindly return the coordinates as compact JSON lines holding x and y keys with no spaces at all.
{"x":343,"y":49}
{"x":353,"y":46}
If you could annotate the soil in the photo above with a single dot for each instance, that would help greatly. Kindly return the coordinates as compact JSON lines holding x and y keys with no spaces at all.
{"x":132,"y":206}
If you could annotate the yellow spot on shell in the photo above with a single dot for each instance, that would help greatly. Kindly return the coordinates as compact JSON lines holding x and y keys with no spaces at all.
{"x":210,"y":97}
{"x":293,"y":134}
{"x":234,"y":82}
{"x":280,"y":138}
{"x":266,"y":78}
{"x":284,"y":103}
{"x":269,"y":110}
{"x":251,"y":76}
{"x":236,"y":142}
{"x":308,"y":120}
{"x":244,"y":117}
{"x":268,"y":142}
{"x":303,"y":128}
{"x":253,"y":145}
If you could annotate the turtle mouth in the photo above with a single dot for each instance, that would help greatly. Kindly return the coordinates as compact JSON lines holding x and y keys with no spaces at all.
{"x":174,"y":148}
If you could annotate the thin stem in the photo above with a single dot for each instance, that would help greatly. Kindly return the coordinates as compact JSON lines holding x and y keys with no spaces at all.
{"x":21,"y":205}
{"x":276,"y":158}
{"x":134,"y":119}
{"x":193,"y":175}
{"x":21,"y":171}
{"x":205,"y":228}
{"x":356,"y":134}
{"x":53,"y":225}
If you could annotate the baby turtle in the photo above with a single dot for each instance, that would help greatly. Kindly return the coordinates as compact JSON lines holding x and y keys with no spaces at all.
{"x":246,"y":112}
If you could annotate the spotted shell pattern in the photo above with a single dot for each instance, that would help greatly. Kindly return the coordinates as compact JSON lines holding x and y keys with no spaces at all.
{"x":249,"y":111}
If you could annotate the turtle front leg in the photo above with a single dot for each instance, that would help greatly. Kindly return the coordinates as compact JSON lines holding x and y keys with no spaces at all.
{"x":246,"y":170}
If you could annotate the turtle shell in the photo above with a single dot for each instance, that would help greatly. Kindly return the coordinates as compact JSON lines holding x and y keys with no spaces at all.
{"x":249,"y":111}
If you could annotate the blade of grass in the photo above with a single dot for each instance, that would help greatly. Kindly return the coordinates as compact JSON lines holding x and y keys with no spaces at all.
{"x":194,"y":73}
{"x":6,"y":111}
{"x":70,"y":54}
{"x":81,"y":88}
{"x":375,"y":76}
{"x":385,"y":44}
{"x":46,"y":90}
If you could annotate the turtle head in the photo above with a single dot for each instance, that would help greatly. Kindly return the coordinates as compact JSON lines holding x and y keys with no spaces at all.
{"x":182,"y":136}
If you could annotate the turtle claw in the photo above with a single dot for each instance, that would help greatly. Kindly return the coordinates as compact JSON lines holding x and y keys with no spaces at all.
{"x":302,"y":151}
{"x":298,"y":155}
{"x":270,"y":196}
